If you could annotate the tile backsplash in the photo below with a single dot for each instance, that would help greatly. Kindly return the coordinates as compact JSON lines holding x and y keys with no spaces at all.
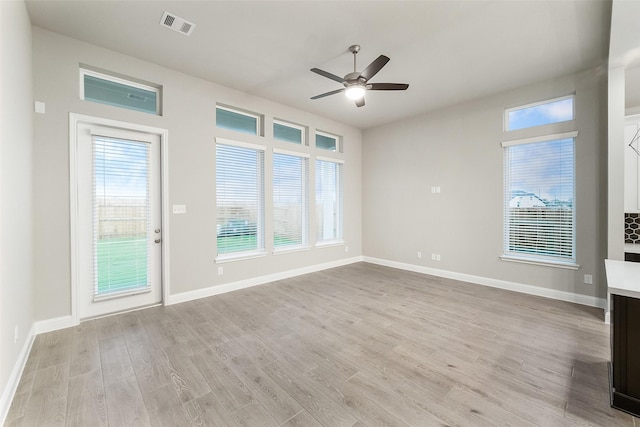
{"x":632,"y":227}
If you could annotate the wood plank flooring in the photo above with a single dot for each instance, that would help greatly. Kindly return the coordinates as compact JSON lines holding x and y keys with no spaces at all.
{"x":360,"y":345}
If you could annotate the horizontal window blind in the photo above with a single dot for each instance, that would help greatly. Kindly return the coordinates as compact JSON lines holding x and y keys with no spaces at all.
{"x":328,"y":200}
{"x":290,"y":200}
{"x":121,"y":196}
{"x":239,"y":198}
{"x":539,"y":207}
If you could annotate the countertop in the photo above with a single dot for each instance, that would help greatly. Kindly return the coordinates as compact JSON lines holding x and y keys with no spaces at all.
{"x":632,"y":247}
{"x":623,"y":278}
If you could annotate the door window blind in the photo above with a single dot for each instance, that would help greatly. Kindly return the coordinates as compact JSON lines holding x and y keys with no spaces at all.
{"x":239,"y":198}
{"x":290,"y":200}
{"x":539,"y":207}
{"x":328,"y":200}
{"x":121,"y":207}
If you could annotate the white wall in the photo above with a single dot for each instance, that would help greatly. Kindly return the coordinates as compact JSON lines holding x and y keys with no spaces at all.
{"x":458,"y":149}
{"x":16,"y":262}
{"x":188,"y":114}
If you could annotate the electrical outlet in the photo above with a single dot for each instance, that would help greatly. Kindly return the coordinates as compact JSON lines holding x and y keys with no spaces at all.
{"x":588,"y":279}
{"x":419,"y":254}
{"x":15,"y":335}
{"x":437,"y":257}
{"x":220,"y":271}
{"x":433,"y":257}
{"x":346,"y":248}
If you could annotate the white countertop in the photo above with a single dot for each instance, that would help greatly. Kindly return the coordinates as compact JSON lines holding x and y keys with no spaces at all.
{"x":623,"y":278}
{"x":632,"y":247}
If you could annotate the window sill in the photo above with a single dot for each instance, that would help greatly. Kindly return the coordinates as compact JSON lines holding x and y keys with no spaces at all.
{"x":292,"y":249}
{"x":220,"y":259}
{"x":565,"y":265}
{"x":329,"y":243}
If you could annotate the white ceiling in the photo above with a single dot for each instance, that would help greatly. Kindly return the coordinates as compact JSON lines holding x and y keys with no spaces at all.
{"x":448,"y":51}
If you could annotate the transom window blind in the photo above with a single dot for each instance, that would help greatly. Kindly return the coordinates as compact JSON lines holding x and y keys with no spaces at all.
{"x":290,"y":200}
{"x":539,"y":200}
{"x":328,"y":200}
{"x":121,"y":197}
{"x":239,"y":198}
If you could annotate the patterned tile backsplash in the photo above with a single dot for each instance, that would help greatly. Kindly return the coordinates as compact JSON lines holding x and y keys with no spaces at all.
{"x":632,"y":228}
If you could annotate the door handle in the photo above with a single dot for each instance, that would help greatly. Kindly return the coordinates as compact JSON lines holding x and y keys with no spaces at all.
{"x":157,"y":230}
{"x":157,"y":240}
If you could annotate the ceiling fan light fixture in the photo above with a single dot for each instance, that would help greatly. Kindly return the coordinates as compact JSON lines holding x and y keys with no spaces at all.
{"x":355,"y":92}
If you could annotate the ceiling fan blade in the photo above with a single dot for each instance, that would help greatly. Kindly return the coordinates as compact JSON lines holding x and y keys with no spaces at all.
{"x":360,"y":102}
{"x":328,"y":75}
{"x":333,"y":92}
{"x":387,"y":86}
{"x":373,"y":68}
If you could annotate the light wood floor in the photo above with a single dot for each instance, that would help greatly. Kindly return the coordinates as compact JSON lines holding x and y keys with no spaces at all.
{"x":358,"y":345}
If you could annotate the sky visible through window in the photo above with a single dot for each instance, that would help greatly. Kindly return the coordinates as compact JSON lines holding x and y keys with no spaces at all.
{"x":543,"y":114}
{"x":544,"y":170}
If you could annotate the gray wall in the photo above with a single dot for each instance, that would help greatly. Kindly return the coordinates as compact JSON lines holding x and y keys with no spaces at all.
{"x":458,"y":149}
{"x":188,"y":114}
{"x":16,"y":137}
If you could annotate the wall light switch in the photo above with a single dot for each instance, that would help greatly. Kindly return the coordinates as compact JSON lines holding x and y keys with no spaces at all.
{"x":588,"y":279}
{"x":179,"y":209}
{"x":419,"y":254}
{"x":220,"y":271}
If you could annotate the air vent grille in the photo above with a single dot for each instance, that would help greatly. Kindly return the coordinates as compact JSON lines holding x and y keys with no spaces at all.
{"x":176,"y":23}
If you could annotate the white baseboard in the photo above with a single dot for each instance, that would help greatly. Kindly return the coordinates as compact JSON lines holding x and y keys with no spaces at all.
{"x":14,"y":379}
{"x":255,"y":281}
{"x":49,"y":325}
{"x":495,"y":283}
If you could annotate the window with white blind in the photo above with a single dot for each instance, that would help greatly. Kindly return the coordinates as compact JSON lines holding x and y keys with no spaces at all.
{"x":121,"y":210}
{"x":328,"y":200}
{"x":290,"y":200}
{"x":539,"y":199}
{"x":239,"y":198}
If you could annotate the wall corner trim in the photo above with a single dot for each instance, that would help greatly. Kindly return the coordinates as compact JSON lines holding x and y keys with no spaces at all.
{"x":14,"y":379}
{"x":255,"y":281}
{"x":495,"y":283}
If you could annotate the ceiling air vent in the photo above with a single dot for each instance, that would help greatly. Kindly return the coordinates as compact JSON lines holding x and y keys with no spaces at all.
{"x":180,"y":25}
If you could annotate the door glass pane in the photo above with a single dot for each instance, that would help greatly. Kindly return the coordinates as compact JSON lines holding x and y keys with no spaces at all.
{"x":121,"y":223}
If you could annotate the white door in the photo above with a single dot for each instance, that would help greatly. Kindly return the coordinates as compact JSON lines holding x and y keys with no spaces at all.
{"x":118,"y":220}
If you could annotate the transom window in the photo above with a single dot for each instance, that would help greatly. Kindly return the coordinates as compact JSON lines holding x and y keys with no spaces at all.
{"x":240,"y":121}
{"x":540,"y":113}
{"x":118,"y":92}
{"x":288,"y":132}
{"x":326,"y":141}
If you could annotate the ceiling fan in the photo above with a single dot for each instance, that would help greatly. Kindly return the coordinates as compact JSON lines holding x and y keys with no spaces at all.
{"x":356,"y":84}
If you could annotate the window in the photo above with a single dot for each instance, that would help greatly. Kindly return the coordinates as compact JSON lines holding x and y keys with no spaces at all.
{"x":290,"y":201}
{"x":105,"y":89}
{"x":329,"y":200}
{"x":540,"y":113}
{"x":228,"y":118}
{"x":539,"y":199}
{"x":288,"y":132}
{"x":326,"y":141}
{"x":239,"y":198}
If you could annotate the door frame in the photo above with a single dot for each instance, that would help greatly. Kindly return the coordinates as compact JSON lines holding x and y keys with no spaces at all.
{"x":76,"y":119}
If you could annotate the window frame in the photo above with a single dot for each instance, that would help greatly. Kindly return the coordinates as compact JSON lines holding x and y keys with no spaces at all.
{"x":260,"y":251}
{"x":304,"y":245}
{"x":537,"y":104}
{"x":529,"y":258}
{"x":339,"y":239}
{"x":328,"y":135}
{"x":122,"y":81}
{"x":302,"y":129}
{"x":241,"y":112}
